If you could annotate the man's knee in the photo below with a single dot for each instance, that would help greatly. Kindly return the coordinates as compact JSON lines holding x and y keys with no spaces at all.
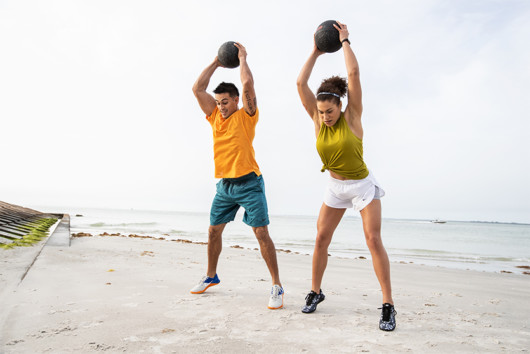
{"x":215,"y":232}
{"x":262,"y":233}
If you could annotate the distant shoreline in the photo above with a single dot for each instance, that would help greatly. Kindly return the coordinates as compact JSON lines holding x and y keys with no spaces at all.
{"x":73,"y":210}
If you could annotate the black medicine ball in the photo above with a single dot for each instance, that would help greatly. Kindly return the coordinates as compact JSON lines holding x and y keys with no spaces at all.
{"x":327,"y":37}
{"x":227,"y":55}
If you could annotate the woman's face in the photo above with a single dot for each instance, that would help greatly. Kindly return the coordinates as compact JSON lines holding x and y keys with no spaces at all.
{"x":328,"y":112}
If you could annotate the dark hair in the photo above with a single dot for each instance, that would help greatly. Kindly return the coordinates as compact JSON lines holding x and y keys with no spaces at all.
{"x":227,"y":87}
{"x":332,"y":89}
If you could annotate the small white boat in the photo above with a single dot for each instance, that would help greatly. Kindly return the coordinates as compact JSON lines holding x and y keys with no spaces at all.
{"x":438,"y":221}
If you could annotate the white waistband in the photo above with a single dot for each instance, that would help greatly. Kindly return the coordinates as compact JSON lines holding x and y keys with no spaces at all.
{"x":349,"y":181}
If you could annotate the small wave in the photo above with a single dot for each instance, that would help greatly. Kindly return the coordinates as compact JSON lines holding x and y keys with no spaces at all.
{"x":97,"y":224}
{"x":102,"y":224}
{"x":414,"y":251}
{"x":179,"y":232}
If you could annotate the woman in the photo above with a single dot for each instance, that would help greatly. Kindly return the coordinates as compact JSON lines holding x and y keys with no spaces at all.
{"x":339,"y":144}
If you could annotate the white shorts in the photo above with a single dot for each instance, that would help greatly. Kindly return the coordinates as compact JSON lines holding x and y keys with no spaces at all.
{"x":352,"y":193}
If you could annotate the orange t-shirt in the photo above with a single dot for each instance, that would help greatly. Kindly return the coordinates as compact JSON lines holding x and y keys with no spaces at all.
{"x":233,"y":153}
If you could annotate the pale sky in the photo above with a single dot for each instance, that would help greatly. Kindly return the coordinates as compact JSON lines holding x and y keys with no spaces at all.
{"x":96,"y":107}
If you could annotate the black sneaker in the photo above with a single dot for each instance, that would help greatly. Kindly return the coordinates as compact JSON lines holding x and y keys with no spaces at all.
{"x":312,"y":300}
{"x":388,"y":317}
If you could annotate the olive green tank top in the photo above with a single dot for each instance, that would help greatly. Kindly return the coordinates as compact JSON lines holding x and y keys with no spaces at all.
{"x":341,"y":151}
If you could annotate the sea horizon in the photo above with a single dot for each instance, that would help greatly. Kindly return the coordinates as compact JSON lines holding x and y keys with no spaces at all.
{"x":51,"y":209}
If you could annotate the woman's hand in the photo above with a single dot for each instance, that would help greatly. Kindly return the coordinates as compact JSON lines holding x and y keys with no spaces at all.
{"x":317,"y":52}
{"x":343,"y":31}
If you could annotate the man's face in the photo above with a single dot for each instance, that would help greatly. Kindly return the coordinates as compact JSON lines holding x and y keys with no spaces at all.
{"x":226,"y":104}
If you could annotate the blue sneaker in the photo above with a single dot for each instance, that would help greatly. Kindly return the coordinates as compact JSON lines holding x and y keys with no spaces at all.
{"x":204,"y":284}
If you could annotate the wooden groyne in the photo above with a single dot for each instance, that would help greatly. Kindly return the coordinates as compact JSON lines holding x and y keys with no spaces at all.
{"x":19,"y":225}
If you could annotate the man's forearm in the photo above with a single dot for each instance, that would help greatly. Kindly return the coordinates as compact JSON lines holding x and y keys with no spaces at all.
{"x":204,"y":78}
{"x":246,"y":74}
{"x":249,"y":95}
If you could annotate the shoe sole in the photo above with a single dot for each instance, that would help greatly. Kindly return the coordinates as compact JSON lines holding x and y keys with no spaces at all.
{"x":200,"y":292}
{"x":387,"y":330}
{"x":275,"y":308}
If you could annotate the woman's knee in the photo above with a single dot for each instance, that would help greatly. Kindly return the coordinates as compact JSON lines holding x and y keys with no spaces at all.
{"x":373,"y":240}
{"x":323,"y":240}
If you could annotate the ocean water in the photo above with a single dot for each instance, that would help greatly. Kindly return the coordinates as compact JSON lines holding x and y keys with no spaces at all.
{"x":490,"y":247}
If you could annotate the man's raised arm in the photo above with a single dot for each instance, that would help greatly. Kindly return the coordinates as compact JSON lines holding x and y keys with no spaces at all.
{"x":206,"y":101}
{"x":249,"y":95}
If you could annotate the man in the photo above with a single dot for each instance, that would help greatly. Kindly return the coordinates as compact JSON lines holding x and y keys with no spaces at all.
{"x":241,"y":181}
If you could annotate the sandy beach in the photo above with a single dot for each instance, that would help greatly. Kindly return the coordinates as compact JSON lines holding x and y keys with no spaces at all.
{"x":119,"y":294}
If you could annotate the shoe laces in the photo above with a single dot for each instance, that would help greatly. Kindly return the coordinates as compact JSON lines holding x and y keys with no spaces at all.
{"x":275,"y":292}
{"x":309,"y":298}
{"x":387,"y":311}
{"x":203,"y":279}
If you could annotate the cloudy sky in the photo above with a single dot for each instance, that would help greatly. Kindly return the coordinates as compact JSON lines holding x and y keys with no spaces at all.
{"x":96,"y":107}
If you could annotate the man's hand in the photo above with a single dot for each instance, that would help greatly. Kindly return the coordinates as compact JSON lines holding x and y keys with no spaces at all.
{"x":242,"y":53}
{"x":217,"y":63}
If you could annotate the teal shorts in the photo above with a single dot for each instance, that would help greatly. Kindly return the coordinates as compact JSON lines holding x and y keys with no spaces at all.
{"x":248,"y":192}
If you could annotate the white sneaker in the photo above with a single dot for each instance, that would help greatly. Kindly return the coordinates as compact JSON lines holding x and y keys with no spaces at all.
{"x":204,"y":284}
{"x":276,"y":299}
